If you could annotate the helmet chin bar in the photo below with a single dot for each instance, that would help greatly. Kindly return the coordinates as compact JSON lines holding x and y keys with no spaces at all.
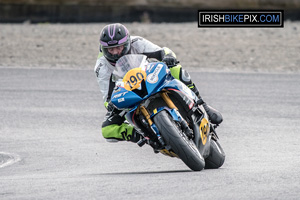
{"x":114,"y":58}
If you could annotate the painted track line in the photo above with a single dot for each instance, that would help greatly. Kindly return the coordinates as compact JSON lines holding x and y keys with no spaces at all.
{"x":7,"y":159}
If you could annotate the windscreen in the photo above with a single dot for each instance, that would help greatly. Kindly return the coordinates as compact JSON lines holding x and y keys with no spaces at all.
{"x":128,"y":62}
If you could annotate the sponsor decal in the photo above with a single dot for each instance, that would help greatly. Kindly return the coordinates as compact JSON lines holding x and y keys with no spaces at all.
{"x":150,"y":66}
{"x":119,"y":95}
{"x":153,"y":77}
{"x":98,"y":69}
{"x":121,"y":100}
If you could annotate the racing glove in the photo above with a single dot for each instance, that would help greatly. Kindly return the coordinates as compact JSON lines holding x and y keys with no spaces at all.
{"x":109,"y":106}
{"x":170,"y":61}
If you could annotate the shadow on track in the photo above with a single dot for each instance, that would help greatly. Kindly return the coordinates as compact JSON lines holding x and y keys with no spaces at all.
{"x":141,"y":173}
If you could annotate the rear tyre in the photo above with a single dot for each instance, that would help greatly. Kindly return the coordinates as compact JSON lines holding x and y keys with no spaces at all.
{"x":216,"y":156}
{"x":180,"y":144}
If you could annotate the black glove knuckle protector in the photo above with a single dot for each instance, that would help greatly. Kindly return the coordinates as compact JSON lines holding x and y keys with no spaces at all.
{"x":170,"y":60}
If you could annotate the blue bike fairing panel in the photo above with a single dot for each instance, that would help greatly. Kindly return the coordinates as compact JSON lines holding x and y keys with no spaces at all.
{"x":156,"y":73}
{"x":158,"y":79}
{"x":123,"y":98}
{"x":178,"y":85}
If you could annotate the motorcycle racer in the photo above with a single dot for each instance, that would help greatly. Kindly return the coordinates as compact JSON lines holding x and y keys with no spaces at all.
{"x":115,"y":42}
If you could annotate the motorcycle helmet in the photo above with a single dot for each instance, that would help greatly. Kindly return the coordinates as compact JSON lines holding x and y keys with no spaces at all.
{"x":114,"y":35}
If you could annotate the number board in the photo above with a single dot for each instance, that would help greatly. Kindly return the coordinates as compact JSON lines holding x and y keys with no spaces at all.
{"x":204,"y":128}
{"x":133,"y":78}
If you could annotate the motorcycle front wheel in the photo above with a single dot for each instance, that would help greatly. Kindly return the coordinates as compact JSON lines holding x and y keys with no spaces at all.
{"x":185,"y":148}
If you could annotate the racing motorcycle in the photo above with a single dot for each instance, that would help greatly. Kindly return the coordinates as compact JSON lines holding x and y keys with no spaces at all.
{"x":165,"y":112}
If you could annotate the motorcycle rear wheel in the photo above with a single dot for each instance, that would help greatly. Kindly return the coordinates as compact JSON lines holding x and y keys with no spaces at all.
{"x":216,"y":156}
{"x":180,"y":144}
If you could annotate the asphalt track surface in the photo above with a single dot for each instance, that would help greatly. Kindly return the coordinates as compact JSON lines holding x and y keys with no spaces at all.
{"x":51,"y":145}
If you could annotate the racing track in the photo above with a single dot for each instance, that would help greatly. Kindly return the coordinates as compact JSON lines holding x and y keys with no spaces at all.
{"x":51,"y":120}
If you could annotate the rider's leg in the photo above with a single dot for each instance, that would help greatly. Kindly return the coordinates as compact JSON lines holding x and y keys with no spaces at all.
{"x":115,"y":129}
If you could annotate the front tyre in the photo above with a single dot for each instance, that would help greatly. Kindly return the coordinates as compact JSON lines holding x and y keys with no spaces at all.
{"x":180,"y":144}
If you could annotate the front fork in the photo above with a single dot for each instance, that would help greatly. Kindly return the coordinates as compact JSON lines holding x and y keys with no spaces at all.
{"x":183,"y":123}
{"x":171,"y":105}
{"x":146,"y":114}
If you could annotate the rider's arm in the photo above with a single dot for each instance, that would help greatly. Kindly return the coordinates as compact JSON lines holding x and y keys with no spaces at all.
{"x":103,"y":73}
{"x":151,"y":50}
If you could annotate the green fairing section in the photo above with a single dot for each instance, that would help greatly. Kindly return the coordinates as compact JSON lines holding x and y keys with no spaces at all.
{"x":175,"y":71}
{"x":122,"y":132}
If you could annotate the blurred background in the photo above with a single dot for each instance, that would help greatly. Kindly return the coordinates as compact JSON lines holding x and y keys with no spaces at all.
{"x":68,"y":11}
{"x":65,"y":33}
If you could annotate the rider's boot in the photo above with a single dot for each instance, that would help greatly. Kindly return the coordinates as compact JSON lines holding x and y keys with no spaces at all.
{"x":214,"y":115}
{"x":135,"y":136}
